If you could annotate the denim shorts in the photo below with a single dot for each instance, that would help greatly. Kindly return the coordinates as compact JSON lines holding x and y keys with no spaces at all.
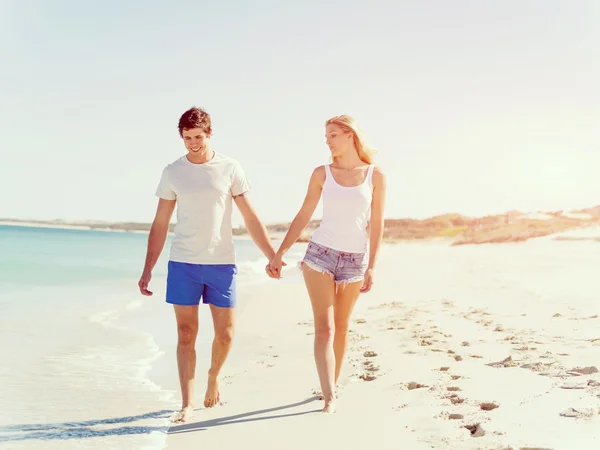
{"x":214,"y":284}
{"x":343,"y":267}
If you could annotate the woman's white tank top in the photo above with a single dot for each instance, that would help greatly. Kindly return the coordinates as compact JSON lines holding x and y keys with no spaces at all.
{"x":346,"y":214}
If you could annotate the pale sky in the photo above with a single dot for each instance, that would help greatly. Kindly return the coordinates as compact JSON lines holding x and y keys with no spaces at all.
{"x":475,"y":106}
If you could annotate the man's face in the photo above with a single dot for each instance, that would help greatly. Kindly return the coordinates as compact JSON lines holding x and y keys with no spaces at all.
{"x":195,"y":140}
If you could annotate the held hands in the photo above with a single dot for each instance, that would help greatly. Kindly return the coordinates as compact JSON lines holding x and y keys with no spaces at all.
{"x":274,"y":267}
{"x":367,"y":282}
{"x":144,"y":282}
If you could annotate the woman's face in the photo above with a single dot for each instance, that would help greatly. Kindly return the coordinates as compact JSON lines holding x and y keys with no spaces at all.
{"x":338,"y":141}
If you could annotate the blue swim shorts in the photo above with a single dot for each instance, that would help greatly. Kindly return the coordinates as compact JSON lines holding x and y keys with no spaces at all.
{"x":213,"y":283}
{"x":343,"y":267}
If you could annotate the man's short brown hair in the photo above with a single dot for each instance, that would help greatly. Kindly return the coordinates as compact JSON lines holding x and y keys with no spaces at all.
{"x":195,"y":118}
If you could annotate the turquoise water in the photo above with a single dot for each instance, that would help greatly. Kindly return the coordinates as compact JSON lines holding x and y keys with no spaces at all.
{"x":56,"y":257}
{"x":78,"y":339}
{"x":53,"y":257}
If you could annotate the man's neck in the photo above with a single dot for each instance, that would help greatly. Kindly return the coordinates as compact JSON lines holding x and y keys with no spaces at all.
{"x":201,"y":157}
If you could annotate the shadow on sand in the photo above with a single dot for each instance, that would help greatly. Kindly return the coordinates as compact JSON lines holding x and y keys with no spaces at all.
{"x":244,"y":417}
{"x":84,"y":430}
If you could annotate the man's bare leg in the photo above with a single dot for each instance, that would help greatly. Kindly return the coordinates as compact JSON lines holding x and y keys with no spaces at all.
{"x":223,"y":321}
{"x":187,"y":330}
{"x":345,"y":299}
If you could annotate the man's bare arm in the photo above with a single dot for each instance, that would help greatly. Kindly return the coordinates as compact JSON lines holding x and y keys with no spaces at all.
{"x":256,"y":229}
{"x":156,"y":240}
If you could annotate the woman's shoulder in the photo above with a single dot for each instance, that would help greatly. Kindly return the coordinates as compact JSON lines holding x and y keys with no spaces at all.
{"x":378,"y":174}
{"x":318,"y":175}
{"x":319,"y":171}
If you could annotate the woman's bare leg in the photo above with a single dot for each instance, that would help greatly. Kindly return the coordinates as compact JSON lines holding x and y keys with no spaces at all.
{"x":321,"y":290}
{"x":345,"y":299}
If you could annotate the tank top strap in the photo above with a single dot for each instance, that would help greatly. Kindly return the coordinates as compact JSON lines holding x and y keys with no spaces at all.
{"x":370,"y":174}
{"x":328,"y":175}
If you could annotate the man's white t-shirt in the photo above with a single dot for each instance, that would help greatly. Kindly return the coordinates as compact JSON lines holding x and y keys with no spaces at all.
{"x":204,"y":192}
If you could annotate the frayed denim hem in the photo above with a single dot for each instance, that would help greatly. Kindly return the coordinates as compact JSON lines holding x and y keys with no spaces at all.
{"x":317,"y":268}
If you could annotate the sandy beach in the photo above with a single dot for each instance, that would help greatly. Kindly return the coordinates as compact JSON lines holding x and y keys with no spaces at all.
{"x":492,"y":346}
{"x":479,"y":347}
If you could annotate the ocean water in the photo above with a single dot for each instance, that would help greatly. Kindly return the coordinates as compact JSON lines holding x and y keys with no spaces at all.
{"x":79,"y":341}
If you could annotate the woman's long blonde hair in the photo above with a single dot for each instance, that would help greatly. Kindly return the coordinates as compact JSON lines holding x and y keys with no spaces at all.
{"x":366,"y":153}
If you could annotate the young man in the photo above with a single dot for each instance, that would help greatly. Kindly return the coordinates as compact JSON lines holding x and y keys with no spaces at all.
{"x":202,"y":258}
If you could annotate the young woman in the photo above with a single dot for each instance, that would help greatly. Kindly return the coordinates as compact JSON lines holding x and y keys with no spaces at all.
{"x":340,"y":257}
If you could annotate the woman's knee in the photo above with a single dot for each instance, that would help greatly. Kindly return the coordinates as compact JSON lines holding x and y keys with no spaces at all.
{"x":324,"y":332}
{"x":341,"y":329}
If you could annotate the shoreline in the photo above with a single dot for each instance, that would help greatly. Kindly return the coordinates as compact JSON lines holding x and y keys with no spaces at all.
{"x":33,"y":224}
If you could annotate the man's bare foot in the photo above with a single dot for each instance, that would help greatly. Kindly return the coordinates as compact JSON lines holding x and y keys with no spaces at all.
{"x":213,"y":396}
{"x":184,"y":415}
{"x":329,"y":407}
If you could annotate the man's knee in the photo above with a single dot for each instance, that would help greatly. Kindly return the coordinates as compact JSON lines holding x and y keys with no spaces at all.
{"x":186,"y":334}
{"x":225,"y":335}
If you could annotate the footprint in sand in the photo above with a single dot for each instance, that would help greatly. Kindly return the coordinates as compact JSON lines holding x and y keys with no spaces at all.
{"x":449,"y":304}
{"x":455,"y":399}
{"x":585,"y":370}
{"x":579,"y":413}
{"x":413,"y":385}
{"x":370,"y":367}
{"x":453,"y":388}
{"x":488,"y":406}
{"x":476,"y":430}
{"x":506,"y":362}
{"x":388,"y":305}
{"x":395,"y":324}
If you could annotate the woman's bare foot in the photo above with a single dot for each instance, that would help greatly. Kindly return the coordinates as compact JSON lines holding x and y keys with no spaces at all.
{"x":184,"y":415}
{"x":213,"y":396}
{"x":329,"y":407}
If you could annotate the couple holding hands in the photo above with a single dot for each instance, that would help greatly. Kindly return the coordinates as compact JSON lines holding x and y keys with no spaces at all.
{"x":337,"y":267}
